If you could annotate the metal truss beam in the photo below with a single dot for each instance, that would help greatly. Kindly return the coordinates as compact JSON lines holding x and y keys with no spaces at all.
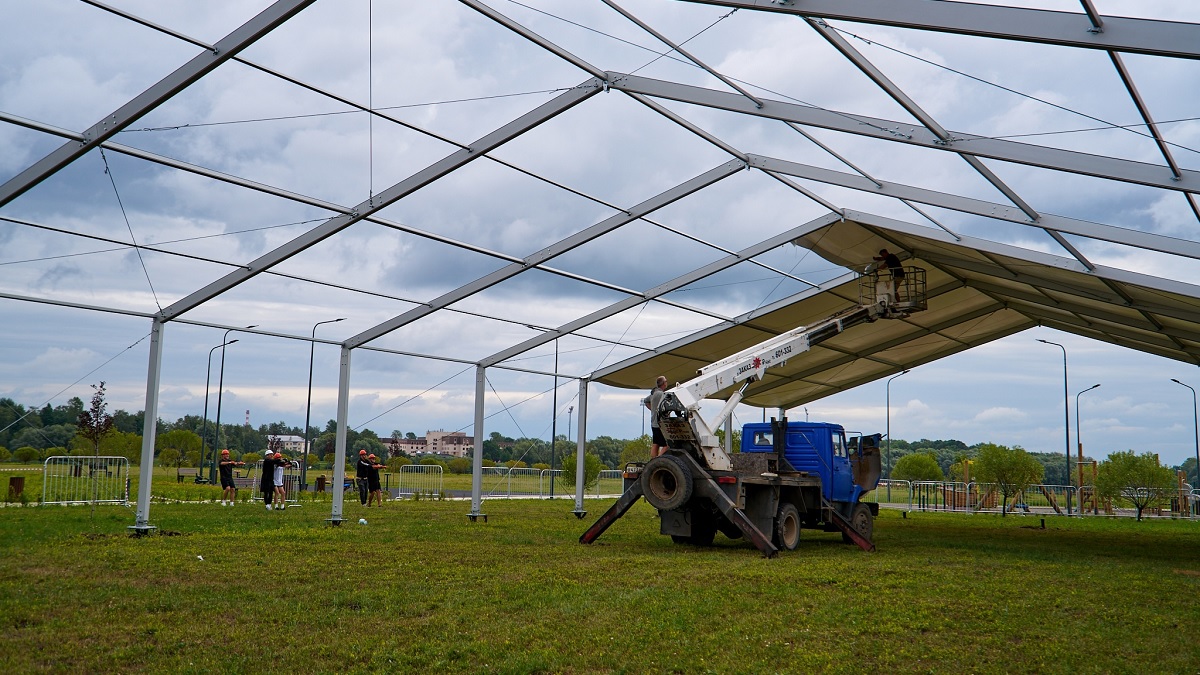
{"x":200,"y":65}
{"x":884,"y":82}
{"x":1084,"y":314}
{"x":533,"y":37}
{"x":522,"y":124}
{"x":558,"y":248}
{"x":1068,"y":29}
{"x":662,"y":289}
{"x":1114,"y":337}
{"x":1068,"y":161}
{"x":830,"y":286}
{"x":1083,"y":228}
{"x":682,"y":52}
{"x":1053,"y":286}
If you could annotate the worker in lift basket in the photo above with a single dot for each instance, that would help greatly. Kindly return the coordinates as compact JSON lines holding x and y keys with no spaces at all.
{"x":892,"y":263}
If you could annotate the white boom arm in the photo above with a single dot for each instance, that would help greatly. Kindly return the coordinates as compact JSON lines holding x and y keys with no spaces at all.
{"x":745,"y":367}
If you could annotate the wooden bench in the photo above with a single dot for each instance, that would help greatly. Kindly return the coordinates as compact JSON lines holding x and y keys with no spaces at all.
{"x":186,"y":473}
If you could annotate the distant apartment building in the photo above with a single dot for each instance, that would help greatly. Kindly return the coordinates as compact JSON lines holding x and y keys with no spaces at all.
{"x":291,"y":444}
{"x":453,"y":443}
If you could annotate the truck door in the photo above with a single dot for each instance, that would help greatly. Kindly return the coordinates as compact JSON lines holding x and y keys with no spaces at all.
{"x":842,"y":483}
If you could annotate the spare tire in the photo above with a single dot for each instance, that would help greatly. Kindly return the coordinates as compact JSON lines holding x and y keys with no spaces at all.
{"x":667,"y":482}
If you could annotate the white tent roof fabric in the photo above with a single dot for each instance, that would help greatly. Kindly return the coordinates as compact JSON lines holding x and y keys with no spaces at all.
{"x":978,"y":291}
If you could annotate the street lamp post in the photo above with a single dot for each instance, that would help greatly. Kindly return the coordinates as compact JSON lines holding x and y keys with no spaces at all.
{"x":308,"y":406}
{"x":1196,"y":420}
{"x":1066,"y":418}
{"x":212,"y":471}
{"x":204,"y":427}
{"x":888,"y":388}
{"x":1079,"y":445}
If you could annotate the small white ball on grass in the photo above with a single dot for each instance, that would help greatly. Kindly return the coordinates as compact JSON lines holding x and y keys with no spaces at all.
{"x":362,"y":521}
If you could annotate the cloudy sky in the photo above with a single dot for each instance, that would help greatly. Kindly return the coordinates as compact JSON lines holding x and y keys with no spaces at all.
{"x":445,"y":74}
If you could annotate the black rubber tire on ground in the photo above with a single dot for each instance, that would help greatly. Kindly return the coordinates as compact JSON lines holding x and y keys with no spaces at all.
{"x":787,"y":527}
{"x":862,"y":521}
{"x":667,"y":482}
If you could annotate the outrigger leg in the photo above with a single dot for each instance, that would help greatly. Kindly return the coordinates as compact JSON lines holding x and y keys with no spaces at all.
{"x":614,"y":512}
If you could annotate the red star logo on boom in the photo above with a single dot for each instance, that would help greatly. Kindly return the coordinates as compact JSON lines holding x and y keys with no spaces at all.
{"x":757,"y":363}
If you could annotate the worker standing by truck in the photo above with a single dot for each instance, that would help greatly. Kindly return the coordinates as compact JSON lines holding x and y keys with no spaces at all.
{"x":658,"y":443}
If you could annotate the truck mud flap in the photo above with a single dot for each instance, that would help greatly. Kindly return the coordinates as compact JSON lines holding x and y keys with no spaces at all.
{"x":614,"y":512}
{"x":844,"y":525}
{"x":706,"y":487}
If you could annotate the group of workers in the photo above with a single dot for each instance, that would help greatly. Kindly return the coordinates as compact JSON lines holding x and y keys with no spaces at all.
{"x":367,"y":478}
{"x":274,"y":494}
{"x":270,"y":483}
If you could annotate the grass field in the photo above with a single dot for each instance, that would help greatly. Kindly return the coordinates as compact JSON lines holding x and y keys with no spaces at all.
{"x":420,"y":588}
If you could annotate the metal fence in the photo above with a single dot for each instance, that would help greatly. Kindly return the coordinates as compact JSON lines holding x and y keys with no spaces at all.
{"x":1043,"y":500}
{"x":505,"y":483}
{"x":85,"y":480}
{"x":423,"y":479}
{"x":610,"y":483}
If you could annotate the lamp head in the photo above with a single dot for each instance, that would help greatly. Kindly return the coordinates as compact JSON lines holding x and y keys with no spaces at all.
{"x":1176,"y":381}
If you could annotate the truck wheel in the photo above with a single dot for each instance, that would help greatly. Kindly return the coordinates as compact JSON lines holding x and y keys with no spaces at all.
{"x":666,"y":482}
{"x":787,"y":527}
{"x":862,"y":521}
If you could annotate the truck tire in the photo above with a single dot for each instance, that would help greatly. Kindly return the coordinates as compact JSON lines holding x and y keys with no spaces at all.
{"x":787,"y":527}
{"x":666,"y":482}
{"x":862,"y":521}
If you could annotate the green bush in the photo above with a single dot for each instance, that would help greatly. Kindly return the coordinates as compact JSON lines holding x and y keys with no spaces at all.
{"x":917,"y":466}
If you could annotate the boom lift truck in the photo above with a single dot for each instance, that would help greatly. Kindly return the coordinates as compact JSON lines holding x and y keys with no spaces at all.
{"x":787,"y":474}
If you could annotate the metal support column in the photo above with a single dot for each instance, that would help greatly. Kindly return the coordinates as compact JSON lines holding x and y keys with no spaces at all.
{"x":477,"y":465}
{"x":580,"y":448}
{"x":149,"y":427}
{"x":339,"y":460}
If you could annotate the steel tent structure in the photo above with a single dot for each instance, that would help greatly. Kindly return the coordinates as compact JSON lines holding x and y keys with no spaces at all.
{"x":980,"y":289}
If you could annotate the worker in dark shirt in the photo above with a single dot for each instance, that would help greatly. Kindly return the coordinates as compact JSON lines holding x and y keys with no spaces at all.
{"x":893,"y":264}
{"x":266,"y":479}
{"x":373,"y":482}
{"x":227,"y":484}
{"x":362,"y":476}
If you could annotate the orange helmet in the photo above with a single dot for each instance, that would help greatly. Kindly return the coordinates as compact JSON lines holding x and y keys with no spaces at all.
{"x":224,"y":452}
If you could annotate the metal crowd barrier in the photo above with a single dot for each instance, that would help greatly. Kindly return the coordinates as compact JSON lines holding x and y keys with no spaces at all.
{"x":502,"y":482}
{"x":421,"y":479}
{"x":85,"y":480}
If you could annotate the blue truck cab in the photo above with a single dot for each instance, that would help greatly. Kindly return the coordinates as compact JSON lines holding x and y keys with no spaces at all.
{"x":847,"y":468}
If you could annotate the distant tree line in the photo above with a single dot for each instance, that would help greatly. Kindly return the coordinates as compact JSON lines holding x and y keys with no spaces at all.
{"x":30,"y":433}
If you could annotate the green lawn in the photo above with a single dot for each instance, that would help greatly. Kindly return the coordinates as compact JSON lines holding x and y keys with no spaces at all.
{"x":420,"y":588}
